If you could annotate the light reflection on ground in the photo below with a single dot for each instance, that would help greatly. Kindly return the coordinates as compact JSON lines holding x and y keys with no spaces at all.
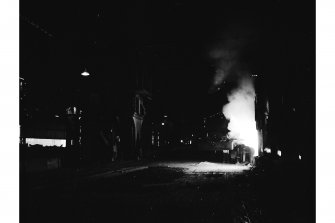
{"x":205,"y":167}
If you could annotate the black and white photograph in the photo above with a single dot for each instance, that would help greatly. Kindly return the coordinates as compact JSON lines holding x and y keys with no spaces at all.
{"x":167,"y":111}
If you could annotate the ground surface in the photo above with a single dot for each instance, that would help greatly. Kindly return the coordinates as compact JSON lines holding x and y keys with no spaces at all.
{"x":167,"y":192}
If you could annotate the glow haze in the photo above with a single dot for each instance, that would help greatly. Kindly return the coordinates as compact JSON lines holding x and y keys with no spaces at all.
{"x":240,"y":111}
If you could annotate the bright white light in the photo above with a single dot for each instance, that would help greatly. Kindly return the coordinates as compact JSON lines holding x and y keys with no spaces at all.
{"x":190,"y":141}
{"x":85,"y":73}
{"x":162,"y":123}
{"x":267,"y":150}
{"x":71,"y":110}
{"x":165,"y":116}
{"x":46,"y":142}
{"x":57,"y":116}
{"x":205,"y":167}
{"x":241,"y":114}
{"x":181,"y":141}
{"x":299,"y":157}
{"x":279,"y":153}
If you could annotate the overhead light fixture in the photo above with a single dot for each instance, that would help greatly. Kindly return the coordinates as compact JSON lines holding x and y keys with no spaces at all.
{"x":85,"y":73}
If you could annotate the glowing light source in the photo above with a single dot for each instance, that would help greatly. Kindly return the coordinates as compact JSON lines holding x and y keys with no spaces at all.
{"x":244,"y":132}
{"x":181,"y":141}
{"x":299,"y":157}
{"x":163,"y":123}
{"x":241,"y":114}
{"x":279,"y":153}
{"x":71,"y":110}
{"x":85,"y":73}
{"x":267,"y":150}
{"x":203,"y":167}
{"x":46,"y":142}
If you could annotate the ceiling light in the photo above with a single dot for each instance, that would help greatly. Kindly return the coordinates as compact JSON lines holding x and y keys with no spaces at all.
{"x":85,"y":73}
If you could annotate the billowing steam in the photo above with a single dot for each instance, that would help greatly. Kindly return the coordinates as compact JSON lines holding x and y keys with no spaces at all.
{"x":230,"y":57}
{"x":226,"y":58}
{"x":241,"y":114}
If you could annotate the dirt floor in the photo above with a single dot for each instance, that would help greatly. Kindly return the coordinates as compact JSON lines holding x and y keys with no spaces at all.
{"x":173,"y":192}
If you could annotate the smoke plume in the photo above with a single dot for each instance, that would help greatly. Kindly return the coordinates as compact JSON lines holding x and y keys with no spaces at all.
{"x":230,"y":62}
{"x":240,"y":111}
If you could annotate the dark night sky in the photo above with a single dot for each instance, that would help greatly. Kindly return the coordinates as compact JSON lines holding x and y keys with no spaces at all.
{"x":99,"y":36}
